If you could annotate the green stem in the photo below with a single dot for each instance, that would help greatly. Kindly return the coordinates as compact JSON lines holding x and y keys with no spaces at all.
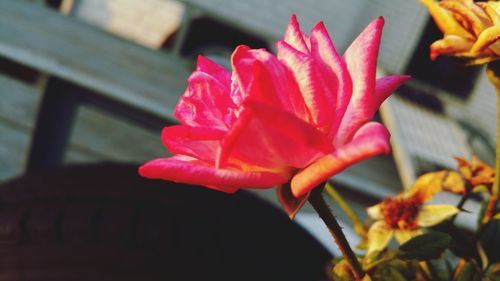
{"x":356,"y":221}
{"x":461,"y":203}
{"x":493,"y":73}
{"x":318,"y":203}
{"x":495,"y":190}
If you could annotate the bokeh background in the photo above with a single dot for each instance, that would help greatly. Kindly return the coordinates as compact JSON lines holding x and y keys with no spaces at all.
{"x":127,"y":61}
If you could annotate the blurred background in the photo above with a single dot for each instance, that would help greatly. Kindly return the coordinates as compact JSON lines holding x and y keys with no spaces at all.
{"x":95,"y":80}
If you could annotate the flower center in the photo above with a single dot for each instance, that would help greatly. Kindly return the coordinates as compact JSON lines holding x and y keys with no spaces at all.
{"x":400,"y":213}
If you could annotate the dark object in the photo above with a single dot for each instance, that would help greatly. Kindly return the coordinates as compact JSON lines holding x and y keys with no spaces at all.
{"x":103,"y":222}
{"x":53,"y":124}
{"x":415,"y":93}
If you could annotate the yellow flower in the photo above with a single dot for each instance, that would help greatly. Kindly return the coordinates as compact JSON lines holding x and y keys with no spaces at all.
{"x":404,"y":215}
{"x":471,"y":29}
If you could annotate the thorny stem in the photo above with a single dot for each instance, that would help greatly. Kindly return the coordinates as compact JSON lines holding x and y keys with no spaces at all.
{"x":490,"y":209}
{"x":356,"y":221}
{"x":318,"y":203}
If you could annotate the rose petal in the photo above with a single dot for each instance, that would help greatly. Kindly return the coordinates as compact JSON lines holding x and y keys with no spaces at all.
{"x":370,"y":140}
{"x":265,"y":79}
{"x":379,"y":235}
{"x":290,"y":204}
{"x":202,"y":143}
{"x":450,"y":45}
{"x":212,"y":68}
{"x":205,"y":102}
{"x":272,"y":139}
{"x":431,"y":215}
{"x":403,"y":235}
{"x":317,"y":94}
{"x":492,"y":10}
{"x":445,"y":20}
{"x":486,"y":39}
{"x":294,"y":36}
{"x":361,"y":61}
{"x":466,"y":13}
{"x":335,"y":71}
{"x":385,"y":86}
{"x":192,"y":171}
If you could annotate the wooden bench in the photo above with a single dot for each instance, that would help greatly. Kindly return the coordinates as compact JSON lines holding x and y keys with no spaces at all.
{"x":84,"y":64}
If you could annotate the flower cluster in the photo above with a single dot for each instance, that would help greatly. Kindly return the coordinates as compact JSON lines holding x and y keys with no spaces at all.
{"x":471,"y":29}
{"x":476,"y":172}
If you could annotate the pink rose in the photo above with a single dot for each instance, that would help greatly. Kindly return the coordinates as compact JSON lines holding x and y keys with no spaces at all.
{"x":295,"y":120}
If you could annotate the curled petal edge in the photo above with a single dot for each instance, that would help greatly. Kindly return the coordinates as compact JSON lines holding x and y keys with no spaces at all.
{"x":192,"y":171}
{"x":370,"y":140}
{"x":290,"y":204}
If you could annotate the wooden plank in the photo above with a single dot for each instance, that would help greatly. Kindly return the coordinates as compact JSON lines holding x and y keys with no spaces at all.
{"x":147,"y":22}
{"x":422,"y":138}
{"x":115,"y":138}
{"x":376,"y":177}
{"x":404,"y":162}
{"x":13,"y":144}
{"x":97,"y":135}
{"x":17,"y":103}
{"x":131,"y":74}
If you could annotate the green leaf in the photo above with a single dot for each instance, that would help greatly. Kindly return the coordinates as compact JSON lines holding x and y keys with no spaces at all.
{"x":391,"y":273}
{"x":378,"y":258}
{"x":497,"y":216}
{"x":460,"y":243}
{"x":480,"y":188}
{"x":426,"y":246}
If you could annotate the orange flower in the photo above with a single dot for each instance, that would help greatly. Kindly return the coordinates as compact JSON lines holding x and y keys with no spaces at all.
{"x":471,"y":29}
{"x":404,"y":215}
{"x":476,"y":172}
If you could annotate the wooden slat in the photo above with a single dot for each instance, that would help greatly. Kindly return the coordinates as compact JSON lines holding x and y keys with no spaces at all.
{"x":45,"y":40}
{"x":376,"y":177}
{"x":17,"y":103}
{"x":147,"y":22}
{"x":115,"y":138}
{"x":421,"y":137}
{"x":97,"y":136}
{"x":13,"y":144}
